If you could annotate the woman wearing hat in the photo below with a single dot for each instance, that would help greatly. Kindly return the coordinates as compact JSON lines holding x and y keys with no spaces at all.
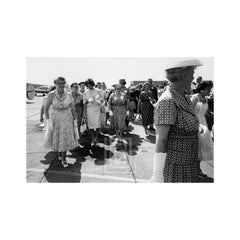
{"x":93,"y":100}
{"x":60,"y":134}
{"x":177,"y":126}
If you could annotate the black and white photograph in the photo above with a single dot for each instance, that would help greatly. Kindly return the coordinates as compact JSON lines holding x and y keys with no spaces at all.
{"x":120,"y":120}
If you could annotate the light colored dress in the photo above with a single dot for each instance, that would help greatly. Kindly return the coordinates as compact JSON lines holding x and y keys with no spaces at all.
{"x":93,"y":108}
{"x":62,"y":138}
{"x":200,"y":109}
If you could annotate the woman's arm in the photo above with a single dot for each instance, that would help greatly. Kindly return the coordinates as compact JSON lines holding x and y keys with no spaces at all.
{"x":47,"y":105}
{"x":73,"y":111}
{"x":110,"y":103}
{"x":161,"y":137}
{"x":194,"y":99}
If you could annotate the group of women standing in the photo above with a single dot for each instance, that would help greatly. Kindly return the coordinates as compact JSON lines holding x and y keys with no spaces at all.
{"x":175,"y":115}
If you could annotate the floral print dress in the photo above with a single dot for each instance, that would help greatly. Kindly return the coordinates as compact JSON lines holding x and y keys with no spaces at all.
{"x":118,"y":106}
{"x":62,"y":138}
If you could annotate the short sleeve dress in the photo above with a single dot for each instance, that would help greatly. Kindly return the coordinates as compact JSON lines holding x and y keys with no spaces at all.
{"x":146,"y":108}
{"x":63,"y":137}
{"x":119,"y":109}
{"x":176,"y":109}
{"x":79,"y":107}
{"x":93,"y":108}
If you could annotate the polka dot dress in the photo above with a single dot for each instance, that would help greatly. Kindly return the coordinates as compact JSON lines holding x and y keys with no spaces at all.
{"x":176,"y":109}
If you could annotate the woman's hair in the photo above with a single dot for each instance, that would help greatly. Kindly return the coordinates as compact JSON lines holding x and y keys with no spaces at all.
{"x":81,"y":83}
{"x":59,"y":79}
{"x":144,"y":85}
{"x":204,"y":85}
{"x":89,"y":81}
{"x":176,"y":74}
{"x":73,"y":84}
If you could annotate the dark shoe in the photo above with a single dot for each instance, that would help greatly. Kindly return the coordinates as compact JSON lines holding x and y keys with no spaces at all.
{"x":152,"y":129}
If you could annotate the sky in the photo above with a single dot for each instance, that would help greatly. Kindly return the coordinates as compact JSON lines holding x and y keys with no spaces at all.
{"x":108,"y":70}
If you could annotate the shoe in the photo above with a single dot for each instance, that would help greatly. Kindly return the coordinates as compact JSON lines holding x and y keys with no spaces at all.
{"x":64,"y":163}
{"x":152,"y":129}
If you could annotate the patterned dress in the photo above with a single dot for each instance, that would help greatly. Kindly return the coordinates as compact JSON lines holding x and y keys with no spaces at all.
{"x":146,"y":108}
{"x":78,"y":103}
{"x":62,"y":138}
{"x":119,"y":108}
{"x":176,"y":109}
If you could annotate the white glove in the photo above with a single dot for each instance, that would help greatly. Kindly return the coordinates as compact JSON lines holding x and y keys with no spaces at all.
{"x":75,"y":123}
{"x":158,"y":166}
{"x":49,"y":124}
{"x":110,"y":113}
{"x":127,"y":113}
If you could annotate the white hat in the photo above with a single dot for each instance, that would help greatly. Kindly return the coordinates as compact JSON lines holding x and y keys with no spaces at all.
{"x":186,"y":63}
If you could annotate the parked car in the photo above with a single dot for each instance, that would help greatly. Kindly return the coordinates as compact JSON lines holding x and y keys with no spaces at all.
{"x":30,"y":91}
{"x":43,"y":89}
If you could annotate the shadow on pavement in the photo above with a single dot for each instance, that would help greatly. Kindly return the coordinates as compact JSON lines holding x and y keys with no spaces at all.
{"x":57,"y":173}
{"x":151,"y":138}
{"x":131,"y":147}
{"x":49,"y":157}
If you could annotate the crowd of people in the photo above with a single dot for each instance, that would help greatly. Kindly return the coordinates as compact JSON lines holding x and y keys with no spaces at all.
{"x":180,"y":113}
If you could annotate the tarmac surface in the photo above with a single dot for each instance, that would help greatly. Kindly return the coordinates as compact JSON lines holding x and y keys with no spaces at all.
{"x":109,"y":162}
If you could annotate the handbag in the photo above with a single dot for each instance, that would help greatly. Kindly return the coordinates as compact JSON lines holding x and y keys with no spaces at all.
{"x":83,"y":128}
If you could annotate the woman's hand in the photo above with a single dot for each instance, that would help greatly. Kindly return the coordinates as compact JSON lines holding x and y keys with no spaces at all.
{"x":49,"y":124}
{"x":75,"y":123}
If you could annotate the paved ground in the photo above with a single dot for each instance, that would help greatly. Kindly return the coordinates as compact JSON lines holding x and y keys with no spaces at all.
{"x":111,"y":161}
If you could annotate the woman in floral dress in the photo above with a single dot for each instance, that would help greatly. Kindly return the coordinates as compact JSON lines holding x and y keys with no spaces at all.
{"x":60,"y":135}
{"x":118,"y":108}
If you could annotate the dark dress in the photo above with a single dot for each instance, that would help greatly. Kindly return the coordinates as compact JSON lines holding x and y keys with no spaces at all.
{"x":78,"y":103}
{"x":146,"y":108}
{"x":209,"y":114}
{"x":176,"y":109}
